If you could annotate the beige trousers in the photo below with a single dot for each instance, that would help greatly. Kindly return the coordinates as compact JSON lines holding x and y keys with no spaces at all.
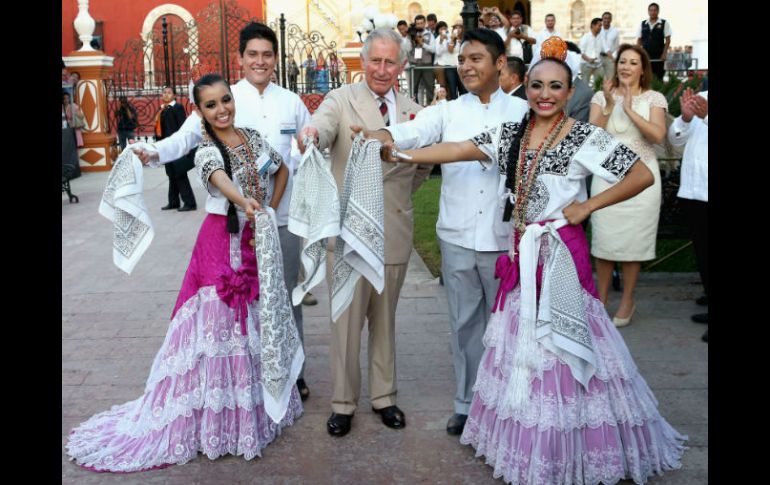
{"x":345,"y":344}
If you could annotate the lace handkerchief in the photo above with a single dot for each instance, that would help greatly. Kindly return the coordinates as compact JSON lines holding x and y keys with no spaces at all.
{"x":281,"y":349}
{"x":314,"y":215}
{"x":562,"y":324}
{"x":360,"y":248}
{"x":123,"y":204}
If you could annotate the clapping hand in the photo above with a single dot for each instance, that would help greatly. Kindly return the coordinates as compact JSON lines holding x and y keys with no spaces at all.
{"x":700,"y":106}
{"x":628,"y":98}
{"x":607,"y":90}
{"x":686,"y":105}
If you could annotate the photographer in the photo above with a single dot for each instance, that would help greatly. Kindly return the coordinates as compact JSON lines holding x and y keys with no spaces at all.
{"x":520,"y":39}
{"x":421,"y":59}
{"x":447,"y":49}
{"x":495,"y":20}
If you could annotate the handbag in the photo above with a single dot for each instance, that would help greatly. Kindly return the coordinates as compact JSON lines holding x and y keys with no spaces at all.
{"x":78,"y":119}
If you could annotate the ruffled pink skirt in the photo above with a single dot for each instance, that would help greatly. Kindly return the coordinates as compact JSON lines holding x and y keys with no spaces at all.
{"x":204,"y":392}
{"x":567,"y":434}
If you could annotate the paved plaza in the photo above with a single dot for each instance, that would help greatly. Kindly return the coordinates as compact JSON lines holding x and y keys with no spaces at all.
{"x":113,"y":324}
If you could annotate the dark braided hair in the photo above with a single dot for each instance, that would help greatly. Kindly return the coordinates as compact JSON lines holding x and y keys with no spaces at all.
{"x":210,"y":80}
{"x":513,"y":158}
{"x":513,"y":153}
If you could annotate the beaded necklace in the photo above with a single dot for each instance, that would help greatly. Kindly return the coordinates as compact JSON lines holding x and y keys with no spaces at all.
{"x":524,"y":183}
{"x":252,"y":187}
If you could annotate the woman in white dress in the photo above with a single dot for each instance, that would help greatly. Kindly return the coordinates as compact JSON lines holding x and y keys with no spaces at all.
{"x":626,"y":232}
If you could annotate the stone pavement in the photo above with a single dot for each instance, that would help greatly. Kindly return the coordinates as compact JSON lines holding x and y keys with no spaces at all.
{"x":113,"y":324}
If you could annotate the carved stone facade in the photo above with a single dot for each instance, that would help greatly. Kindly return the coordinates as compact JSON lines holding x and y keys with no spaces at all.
{"x":688,"y":17}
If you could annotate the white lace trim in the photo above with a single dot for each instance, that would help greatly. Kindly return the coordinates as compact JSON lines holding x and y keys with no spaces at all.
{"x":624,"y":396}
{"x":613,"y":358}
{"x":196,"y":331}
{"x":646,"y":453}
{"x":85,"y":448}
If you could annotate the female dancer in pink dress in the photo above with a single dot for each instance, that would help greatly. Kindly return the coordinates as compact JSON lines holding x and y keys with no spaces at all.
{"x":558,"y":398}
{"x":216,"y":385}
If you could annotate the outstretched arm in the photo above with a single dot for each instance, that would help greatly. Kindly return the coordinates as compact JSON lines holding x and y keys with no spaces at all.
{"x":221,"y":181}
{"x":436,"y":154}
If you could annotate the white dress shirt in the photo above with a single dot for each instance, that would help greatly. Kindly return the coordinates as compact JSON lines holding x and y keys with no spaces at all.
{"x":470,"y":207}
{"x":502,"y":32}
{"x":443,"y":56}
{"x":591,"y":46}
{"x":543,"y":35}
{"x":694,"y":177}
{"x":610,"y":40}
{"x":515,"y":46}
{"x":278,"y":114}
{"x":390,"y":102}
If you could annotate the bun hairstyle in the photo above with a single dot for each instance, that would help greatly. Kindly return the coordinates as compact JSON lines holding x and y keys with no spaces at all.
{"x":205,"y":81}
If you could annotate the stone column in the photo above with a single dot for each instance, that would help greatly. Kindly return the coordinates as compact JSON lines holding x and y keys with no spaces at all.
{"x":98,"y":151}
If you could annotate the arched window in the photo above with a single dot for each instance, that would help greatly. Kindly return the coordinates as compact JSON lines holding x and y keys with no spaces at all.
{"x":414,"y":10}
{"x":577,"y":19}
{"x":153,"y":21}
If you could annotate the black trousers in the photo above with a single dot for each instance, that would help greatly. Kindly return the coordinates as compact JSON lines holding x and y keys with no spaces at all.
{"x":697,"y":215}
{"x":658,"y":67}
{"x":424,"y":77}
{"x":180,"y":185}
{"x":452,"y":81}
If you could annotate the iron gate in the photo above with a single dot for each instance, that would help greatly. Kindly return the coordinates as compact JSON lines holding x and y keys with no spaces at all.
{"x":174,"y":54}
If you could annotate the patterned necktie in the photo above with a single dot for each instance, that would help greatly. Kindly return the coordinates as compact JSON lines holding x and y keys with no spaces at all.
{"x":384,"y":110}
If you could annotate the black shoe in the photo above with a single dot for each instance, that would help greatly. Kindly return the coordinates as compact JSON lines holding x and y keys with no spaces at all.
{"x":705,"y":336}
{"x":309,"y":300}
{"x":700,"y":318}
{"x":456,"y":424}
{"x":186,"y":208}
{"x":702,"y":301}
{"x":339,"y":424}
{"x":392,"y":417}
{"x":169,"y":207}
{"x":304,"y":392}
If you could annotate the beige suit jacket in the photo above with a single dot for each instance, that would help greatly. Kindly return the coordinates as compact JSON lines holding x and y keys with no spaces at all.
{"x":354,"y":104}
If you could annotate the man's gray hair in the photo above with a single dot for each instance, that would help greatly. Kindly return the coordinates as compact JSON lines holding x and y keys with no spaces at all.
{"x":384,"y":34}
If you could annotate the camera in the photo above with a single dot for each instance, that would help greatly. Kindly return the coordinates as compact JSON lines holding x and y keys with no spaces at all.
{"x":413,"y":33}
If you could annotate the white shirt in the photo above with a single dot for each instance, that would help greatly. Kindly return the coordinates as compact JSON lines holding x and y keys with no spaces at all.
{"x":515,"y":47}
{"x":278,"y":114}
{"x":542,"y":36}
{"x":694,"y":177}
{"x":591,"y":46}
{"x":406,"y":47}
{"x":610,"y":40}
{"x":470,"y":207}
{"x":502,"y":32}
{"x":390,"y":102}
{"x":443,"y":56}
{"x":666,"y":28}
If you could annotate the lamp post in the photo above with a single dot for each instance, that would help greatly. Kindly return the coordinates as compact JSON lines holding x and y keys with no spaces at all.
{"x":470,"y":14}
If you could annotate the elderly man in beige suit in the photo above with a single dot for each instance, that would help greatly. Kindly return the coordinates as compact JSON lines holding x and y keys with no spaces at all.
{"x":373,"y":103}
